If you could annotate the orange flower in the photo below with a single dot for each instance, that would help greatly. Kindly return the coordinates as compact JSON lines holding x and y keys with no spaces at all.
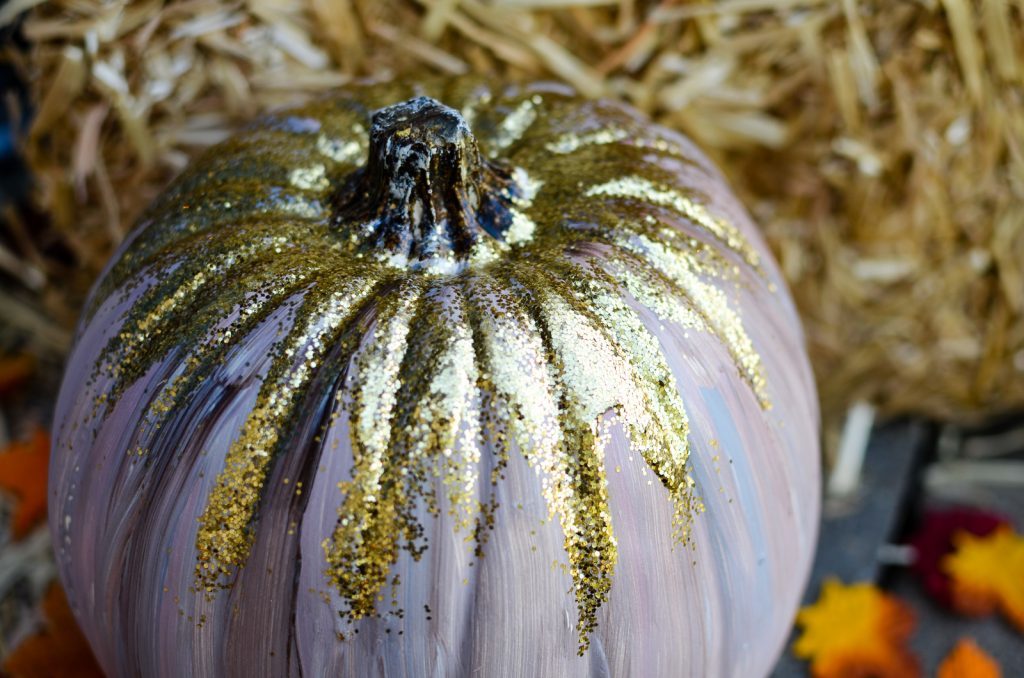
{"x":59,"y":650}
{"x":856,"y":631}
{"x":988,"y":574}
{"x":23,"y":469}
{"x":967,"y":660}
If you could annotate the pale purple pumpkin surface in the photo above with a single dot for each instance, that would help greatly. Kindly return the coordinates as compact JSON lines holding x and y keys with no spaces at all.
{"x":132,"y":484}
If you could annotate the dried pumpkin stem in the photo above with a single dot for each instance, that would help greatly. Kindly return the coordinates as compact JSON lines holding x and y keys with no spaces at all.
{"x":426,"y":192}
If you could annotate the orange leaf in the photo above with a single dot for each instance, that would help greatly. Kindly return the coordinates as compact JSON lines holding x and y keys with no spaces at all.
{"x":15,"y":371}
{"x":856,"y":631}
{"x":58,"y":651}
{"x":23,"y":470}
{"x":967,"y":660}
{"x":987,"y":573}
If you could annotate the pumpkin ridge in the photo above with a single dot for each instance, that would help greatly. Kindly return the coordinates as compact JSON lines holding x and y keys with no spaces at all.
{"x":373,"y":514}
{"x":608,"y":226}
{"x":161,"y":418}
{"x":163,"y":235}
{"x":667,"y":427}
{"x":678,"y":268}
{"x":580,"y":498}
{"x":191,"y":243}
{"x":516,"y":115}
{"x":436,"y":415}
{"x":700,"y":257}
{"x":651,"y":288}
{"x":620,"y":136}
{"x":641,"y":188}
{"x":223,"y":201}
{"x":711,"y":304}
{"x":519,"y":399}
{"x":603,"y":168}
{"x":210,"y":210}
{"x":244,"y":244}
{"x":505,"y":331}
{"x":659,"y":429}
{"x":185,"y":290}
{"x":333,"y":372}
{"x":223,"y":538}
{"x":233,"y":163}
{"x":416,"y":454}
{"x":491,"y":415}
{"x":275,"y":131}
{"x":212,"y":350}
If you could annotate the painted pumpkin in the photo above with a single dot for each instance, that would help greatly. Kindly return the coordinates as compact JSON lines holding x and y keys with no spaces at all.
{"x":382,"y":386}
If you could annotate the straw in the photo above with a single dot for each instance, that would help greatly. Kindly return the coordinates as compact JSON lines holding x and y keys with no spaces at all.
{"x":879,"y":144}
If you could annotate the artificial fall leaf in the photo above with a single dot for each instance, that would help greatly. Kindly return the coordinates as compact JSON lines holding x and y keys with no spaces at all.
{"x":987,"y":573}
{"x":59,"y":651}
{"x":967,"y":660}
{"x":933,"y":541}
{"x":15,"y":371}
{"x":856,"y":631}
{"x":23,"y":469}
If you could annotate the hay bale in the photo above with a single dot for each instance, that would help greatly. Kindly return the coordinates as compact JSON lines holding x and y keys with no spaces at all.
{"x":879,"y":143}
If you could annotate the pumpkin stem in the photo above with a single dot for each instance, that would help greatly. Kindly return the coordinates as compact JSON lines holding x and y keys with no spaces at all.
{"x":426,"y":193}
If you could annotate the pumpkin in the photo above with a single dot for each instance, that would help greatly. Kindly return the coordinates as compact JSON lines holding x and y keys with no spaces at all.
{"x":507,"y":385}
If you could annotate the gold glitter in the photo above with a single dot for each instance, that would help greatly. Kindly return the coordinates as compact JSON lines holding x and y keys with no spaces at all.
{"x":710,"y":302}
{"x":643,"y":390}
{"x":344,"y":151}
{"x":567,"y":143}
{"x":223,"y":540}
{"x":644,"y":189}
{"x":522,"y":227}
{"x":488,"y":303}
{"x":366,"y":540}
{"x":624,"y":137}
{"x":514,"y":125}
{"x":312,"y":178}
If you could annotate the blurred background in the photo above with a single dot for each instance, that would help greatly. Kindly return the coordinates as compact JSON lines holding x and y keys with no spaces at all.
{"x":879,"y":144}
